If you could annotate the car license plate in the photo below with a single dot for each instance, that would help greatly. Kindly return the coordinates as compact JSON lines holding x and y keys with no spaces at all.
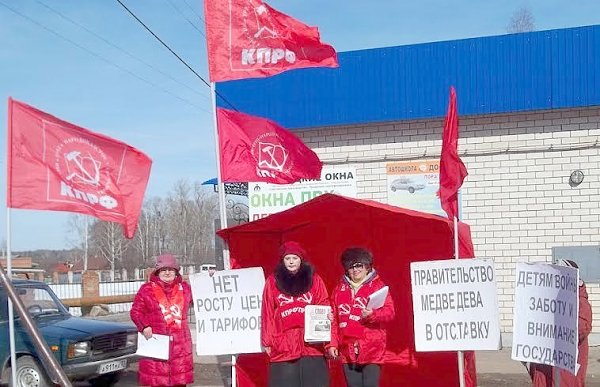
{"x":112,"y":366}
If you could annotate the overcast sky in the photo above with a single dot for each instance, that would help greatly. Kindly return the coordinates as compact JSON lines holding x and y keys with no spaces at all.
{"x":121,"y":82}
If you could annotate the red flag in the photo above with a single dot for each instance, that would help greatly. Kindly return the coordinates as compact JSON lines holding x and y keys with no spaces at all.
{"x":55,"y":165}
{"x":452,"y":169}
{"x":249,"y":39}
{"x":257,"y":149}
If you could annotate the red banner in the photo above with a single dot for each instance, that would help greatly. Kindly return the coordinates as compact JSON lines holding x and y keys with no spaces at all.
{"x":452,"y":169}
{"x":249,"y":39}
{"x":55,"y":165}
{"x":257,"y":149}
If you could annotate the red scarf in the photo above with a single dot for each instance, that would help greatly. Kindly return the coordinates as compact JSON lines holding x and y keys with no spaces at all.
{"x":291,"y":309}
{"x":172,"y":309}
{"x":350,"y":309}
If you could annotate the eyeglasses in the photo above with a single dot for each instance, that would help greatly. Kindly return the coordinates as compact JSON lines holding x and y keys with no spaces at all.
{"x":167,"y":269}
{"x":357,"y":265}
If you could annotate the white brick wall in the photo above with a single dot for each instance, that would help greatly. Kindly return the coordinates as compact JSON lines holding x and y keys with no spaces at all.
{"x":516,"y":198}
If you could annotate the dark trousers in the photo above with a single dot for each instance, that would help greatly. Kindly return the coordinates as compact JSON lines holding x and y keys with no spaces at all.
{"x":308,"y":371}
{"x":366,"y":375}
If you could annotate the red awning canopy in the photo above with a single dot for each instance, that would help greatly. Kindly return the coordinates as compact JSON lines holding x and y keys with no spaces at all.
{"x":330,"y":223}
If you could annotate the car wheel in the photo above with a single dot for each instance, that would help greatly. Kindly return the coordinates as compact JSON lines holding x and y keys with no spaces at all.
{"x":411,"y":190}
{"x":29,"y":374}
{"x":106,"y":380}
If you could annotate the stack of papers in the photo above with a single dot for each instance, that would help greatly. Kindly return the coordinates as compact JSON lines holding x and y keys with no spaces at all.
{"x":377,"y":299}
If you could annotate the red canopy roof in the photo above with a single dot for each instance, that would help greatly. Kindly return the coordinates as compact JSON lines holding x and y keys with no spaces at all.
{"x":330,"y":223}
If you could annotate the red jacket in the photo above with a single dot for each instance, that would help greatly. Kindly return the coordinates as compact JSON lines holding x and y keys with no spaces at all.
{"x":542,"y":375}
{"x":287,"y":342}
{"x":373,"y":336}
{"x":179,"y":369}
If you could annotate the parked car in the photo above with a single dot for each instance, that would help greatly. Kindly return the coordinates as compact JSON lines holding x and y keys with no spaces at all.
{"x":87,"y":349}
{"x":207,"y":267}
{"x":407,"y":184}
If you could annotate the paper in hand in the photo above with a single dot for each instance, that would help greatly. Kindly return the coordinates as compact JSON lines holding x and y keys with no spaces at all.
{"x":377,"y":299}
{"x":156,"y":347}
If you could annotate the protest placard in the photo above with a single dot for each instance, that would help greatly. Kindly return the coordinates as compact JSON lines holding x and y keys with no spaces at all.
{"x":455,"y":305}
{"x":546,"y":315}
{"x":227,"y":307}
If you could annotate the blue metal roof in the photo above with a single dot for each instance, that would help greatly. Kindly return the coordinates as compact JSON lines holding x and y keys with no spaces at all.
{"x":497,"y":74}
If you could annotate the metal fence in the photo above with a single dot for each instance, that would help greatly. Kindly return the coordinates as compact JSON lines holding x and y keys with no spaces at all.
{"x":119,"y":288}
{"x":64,"y":291}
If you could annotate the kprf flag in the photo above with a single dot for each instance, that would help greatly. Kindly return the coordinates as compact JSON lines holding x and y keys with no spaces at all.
{"x":249,"y":39}
{"x":55,"y":165}
{"x":257,"y":149}
{"x":452,"y":169}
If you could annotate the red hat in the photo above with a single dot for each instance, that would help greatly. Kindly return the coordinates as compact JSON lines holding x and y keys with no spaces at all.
{"x":291,"y":247}
{"x":166,"y":261}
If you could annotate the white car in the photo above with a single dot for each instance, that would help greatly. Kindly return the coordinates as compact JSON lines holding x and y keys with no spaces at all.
{"x":407,"y":184}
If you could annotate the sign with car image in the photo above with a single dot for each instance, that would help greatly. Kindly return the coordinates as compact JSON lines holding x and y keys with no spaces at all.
{"x":414,"y":185}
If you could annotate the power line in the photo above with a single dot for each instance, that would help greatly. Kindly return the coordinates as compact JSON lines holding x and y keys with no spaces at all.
{"x":194,"y":11}
{"x":99,"y":56}
{"x":119,"y":48}
{"x":186,"y":18}
{"x":175,"y":54}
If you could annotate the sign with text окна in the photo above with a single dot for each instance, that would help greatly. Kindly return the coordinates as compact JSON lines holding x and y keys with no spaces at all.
{"x":227,"y":307}
{"x":455,"y":304}
{"x":265,"y":199}
{"x":546,"y":315}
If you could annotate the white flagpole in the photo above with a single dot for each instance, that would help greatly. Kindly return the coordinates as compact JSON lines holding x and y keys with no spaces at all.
{"x":11,"y":313}
{"x":222,"y":204}
{"x":461,"y":357}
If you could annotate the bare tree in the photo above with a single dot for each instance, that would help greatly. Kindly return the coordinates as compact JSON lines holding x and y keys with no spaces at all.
{"x":78,"y":227}
{"x":521,"y":21}
{"x":109,"y":242}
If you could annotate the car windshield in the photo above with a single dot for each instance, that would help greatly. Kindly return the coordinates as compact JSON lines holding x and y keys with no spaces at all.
{"x":38,"y":301}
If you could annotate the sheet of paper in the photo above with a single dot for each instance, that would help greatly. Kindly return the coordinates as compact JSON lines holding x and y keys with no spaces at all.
{"x":156,"y":347}
{"x":377,"y":299}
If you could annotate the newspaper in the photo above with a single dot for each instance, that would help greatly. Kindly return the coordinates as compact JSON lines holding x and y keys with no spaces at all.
{"x":317,"y":327}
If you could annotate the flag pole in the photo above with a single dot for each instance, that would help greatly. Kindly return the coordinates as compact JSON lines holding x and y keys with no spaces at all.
{"x":222,"y":204}
{"x":11,"y":312}
{"x":461,"y":357}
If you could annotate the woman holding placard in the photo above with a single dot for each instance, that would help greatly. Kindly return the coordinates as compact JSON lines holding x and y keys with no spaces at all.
{"x":160,"y":307}
{"x":293,"y":286}
{"x":361,"y":308}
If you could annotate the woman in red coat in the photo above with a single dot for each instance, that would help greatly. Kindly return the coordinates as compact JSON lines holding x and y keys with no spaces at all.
{"x":543,"y":375}
{"x":358,"y":333}
{"x":161,"y":307}
{"x":294,"y":363}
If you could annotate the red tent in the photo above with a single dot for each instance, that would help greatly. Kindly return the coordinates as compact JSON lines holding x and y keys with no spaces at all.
{"x":326,"y":226}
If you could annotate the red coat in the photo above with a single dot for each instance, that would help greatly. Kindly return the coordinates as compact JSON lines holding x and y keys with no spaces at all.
{"x":288,"y":343}
{"x":179,"y":369}
{"x":373,"y":338}
{"x":542,"y":375}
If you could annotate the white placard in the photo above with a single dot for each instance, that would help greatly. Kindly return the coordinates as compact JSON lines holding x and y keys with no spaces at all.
{"x":455,"y":304}
{"x":156,"y":347}
{"x":227,"y":307}
{"x":265,"y":199}
{"x":545,"y":320}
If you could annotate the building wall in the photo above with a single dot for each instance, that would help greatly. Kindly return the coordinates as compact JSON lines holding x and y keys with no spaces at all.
{"x":516,"y":198}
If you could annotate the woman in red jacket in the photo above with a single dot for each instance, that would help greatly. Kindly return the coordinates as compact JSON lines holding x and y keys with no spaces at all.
{"x":161,"y":307}
{"x":293,"y":285}
{"x":543,"y":375}
{"x":358,"y":333}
